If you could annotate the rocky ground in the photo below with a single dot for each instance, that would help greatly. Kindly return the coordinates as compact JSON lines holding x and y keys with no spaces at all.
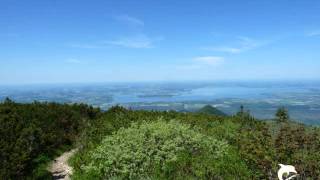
{"x":59,"y":167}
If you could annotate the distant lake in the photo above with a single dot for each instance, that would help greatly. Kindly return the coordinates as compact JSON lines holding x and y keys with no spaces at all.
{"x":262,"y":97}
{"x":198,"y":92}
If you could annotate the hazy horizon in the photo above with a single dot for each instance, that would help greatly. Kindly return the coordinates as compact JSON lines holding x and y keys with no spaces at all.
{"x":285,"y":81}
{"x":262,"y":98}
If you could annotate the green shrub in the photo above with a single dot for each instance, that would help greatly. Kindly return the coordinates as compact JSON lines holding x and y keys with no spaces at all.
{"x":156,"y":150}
{"x":30,"y":135}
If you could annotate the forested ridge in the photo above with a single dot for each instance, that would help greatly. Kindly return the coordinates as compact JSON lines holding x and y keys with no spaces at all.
{"x":128,"y":144}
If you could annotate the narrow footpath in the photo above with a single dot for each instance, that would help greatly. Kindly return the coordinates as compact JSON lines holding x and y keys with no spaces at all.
{"x":59,"y":167}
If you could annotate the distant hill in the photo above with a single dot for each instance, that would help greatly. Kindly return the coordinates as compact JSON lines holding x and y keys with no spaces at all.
{"x":208,"y":109}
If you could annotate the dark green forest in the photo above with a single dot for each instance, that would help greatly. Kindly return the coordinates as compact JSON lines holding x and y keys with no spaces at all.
{"x":129,"y":144}
{"x":32,"y":134}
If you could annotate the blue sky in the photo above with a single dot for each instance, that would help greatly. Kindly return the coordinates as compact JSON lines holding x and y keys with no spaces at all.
{"x":52,"y":41}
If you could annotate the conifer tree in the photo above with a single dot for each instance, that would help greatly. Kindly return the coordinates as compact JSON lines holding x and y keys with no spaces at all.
{"x":282,"y":115}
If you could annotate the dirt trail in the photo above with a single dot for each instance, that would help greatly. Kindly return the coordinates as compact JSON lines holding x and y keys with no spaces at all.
{"x":59,"y":167}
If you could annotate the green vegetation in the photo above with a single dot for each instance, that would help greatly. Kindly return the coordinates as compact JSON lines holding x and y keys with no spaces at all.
{"x":208,"y":109}
{"x":32,"y":134}
{"x":154,"y":150}
{"x":253,"y":150}
{"x":128,"y":144}
{"x":282,"y":115}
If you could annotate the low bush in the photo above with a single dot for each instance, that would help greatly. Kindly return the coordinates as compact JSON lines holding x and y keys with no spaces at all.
{"x":156,"y":150}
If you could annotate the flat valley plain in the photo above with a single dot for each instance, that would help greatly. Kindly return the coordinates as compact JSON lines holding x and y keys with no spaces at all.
{"x":261,"y":98}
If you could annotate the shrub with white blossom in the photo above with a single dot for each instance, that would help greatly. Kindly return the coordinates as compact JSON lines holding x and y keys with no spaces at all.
{"x":157,"y":149}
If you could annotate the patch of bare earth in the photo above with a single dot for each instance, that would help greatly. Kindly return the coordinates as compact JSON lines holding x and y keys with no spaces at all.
{"x":59,"y":167}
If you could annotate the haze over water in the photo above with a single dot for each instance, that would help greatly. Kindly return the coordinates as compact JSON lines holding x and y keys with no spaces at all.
{"x":262,"y":98}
